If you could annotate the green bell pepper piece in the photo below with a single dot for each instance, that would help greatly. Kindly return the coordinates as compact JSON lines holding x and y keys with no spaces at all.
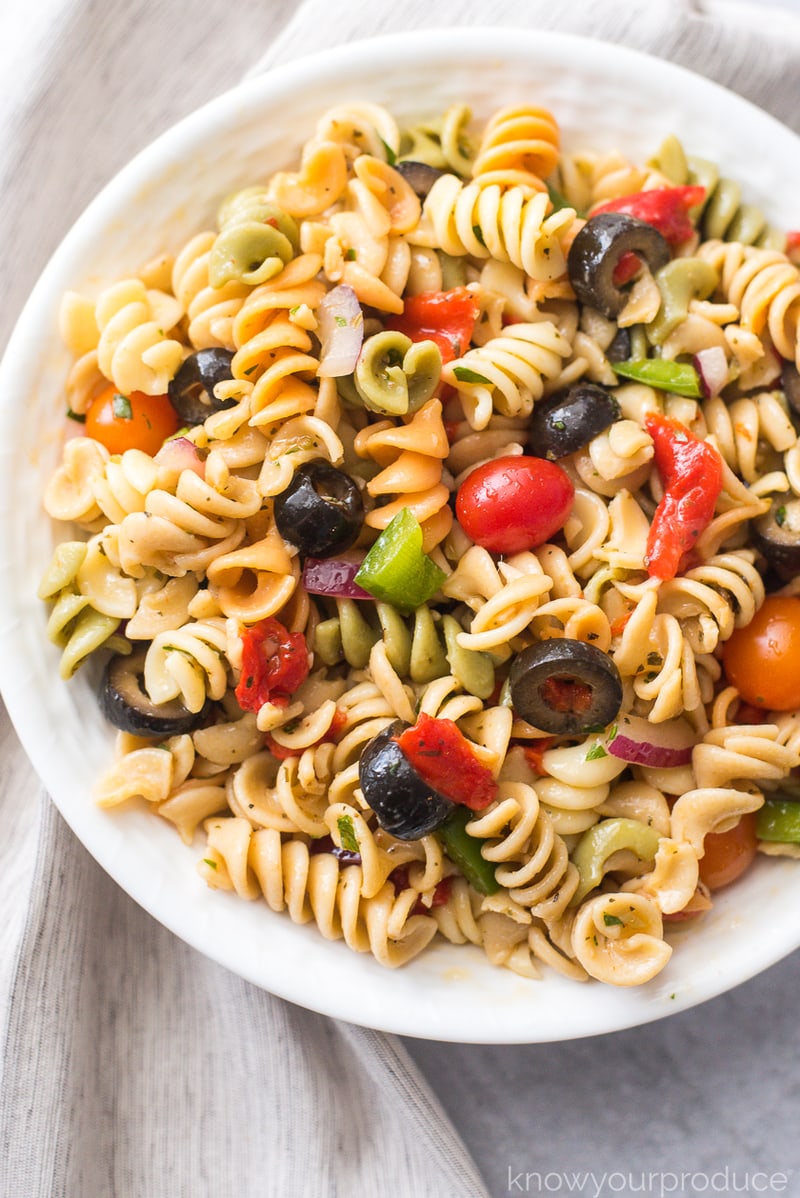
{"x":779,"y":820}
{"x":680,"y":378}
{"x":465,"y":851}
{"x":396,"y":570}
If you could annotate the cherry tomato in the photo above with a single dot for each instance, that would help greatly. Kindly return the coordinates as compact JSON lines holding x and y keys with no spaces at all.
{"x":514,"y":503}
{"x":135,"y":421}
{"x":728,"y":854}
{"x":761,"y":659}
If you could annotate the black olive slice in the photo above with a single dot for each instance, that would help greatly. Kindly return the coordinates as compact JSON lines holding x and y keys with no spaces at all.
{"x":565,"y":687}
{"x":776,"y":535}
{"x":404,"y":805}
{"x":790,"y":381}
{"x":568,"y":421}
{"x":191,"y":392}
{"x":419,"y":176}
{"x":621,"y":348}
{"x":321,"y":511}
{"x":127,"y":706}
{"x":596,"y":251}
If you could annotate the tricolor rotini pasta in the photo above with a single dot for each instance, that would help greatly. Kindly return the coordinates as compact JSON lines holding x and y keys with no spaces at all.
{"x":438,"y":528}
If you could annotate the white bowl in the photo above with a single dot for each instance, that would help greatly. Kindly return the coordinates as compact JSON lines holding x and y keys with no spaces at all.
{"x":604,"y":97}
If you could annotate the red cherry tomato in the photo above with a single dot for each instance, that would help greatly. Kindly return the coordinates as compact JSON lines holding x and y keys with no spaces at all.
{"x":761,"y":659}
{"x":135,"y":421}
{"x":514,"y":503}
{"x":728,"y":854}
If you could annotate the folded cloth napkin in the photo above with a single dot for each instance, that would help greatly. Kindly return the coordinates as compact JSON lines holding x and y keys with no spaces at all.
{"x":132,"y":1066}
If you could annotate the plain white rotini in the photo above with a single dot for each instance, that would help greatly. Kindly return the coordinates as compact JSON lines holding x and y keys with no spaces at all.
{"x":508,"y":373}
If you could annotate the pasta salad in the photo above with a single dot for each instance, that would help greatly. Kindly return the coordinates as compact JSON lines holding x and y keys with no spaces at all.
{"x":439,"y":519}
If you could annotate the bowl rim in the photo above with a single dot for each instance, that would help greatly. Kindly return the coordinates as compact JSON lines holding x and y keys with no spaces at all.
{"x":473,"y":43}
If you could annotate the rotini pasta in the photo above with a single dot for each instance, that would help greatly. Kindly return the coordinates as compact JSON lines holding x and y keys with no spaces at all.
{"x":437,"y":618}
{"x":723,"y":215}
{"x":485,"y":221}
{"x":518,"y":146}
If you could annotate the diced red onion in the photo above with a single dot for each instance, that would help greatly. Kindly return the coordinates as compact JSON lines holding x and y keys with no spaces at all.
{"x":341,"y":332}
{"x":333,"y":576}
{"x":179,"y":454}
{"x":712,"y":367}
{"x":663,"y":746}
{"x":325,"y":844}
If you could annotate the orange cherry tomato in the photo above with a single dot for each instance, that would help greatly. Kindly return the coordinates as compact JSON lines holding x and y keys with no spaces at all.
{"x":728,"y":854}
{"x":761,"y":659}
{"x":135,"y":421}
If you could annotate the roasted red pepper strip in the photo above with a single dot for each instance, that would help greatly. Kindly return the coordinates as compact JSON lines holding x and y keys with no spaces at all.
{"x":626,"y":268}
{"x":444,"y":758}
{"x":441,"y":897}
{"x":619,"y":625}
{"x":441,"y":894}
{"x":446,"y":317}
{"x":274,"y":663}
{"x":691,"y":472}
{"x":535,"y":751}
{"x":665,"y":208}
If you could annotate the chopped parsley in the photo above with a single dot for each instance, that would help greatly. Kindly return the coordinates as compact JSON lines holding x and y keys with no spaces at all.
{"x":391,"y":157}
{"x":121,"y":406}
{"x":347,"y":833}
{"x":465,"y":375}
{"x":595,"y":753}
